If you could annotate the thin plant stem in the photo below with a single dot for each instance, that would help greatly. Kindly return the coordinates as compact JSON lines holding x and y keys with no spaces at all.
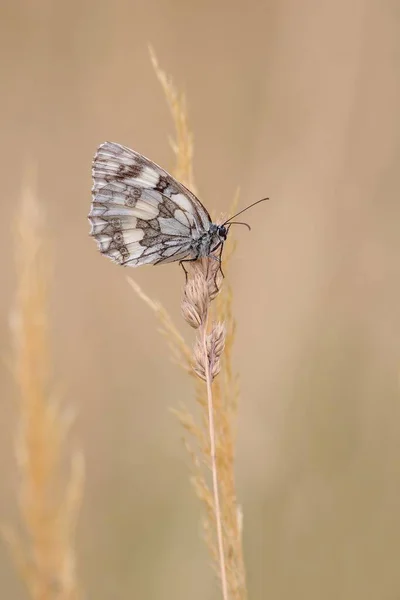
{"x":213,"y":456}
{"x":218,"y":403}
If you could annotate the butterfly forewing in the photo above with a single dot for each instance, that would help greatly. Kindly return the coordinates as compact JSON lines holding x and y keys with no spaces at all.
{"x":140,"y":214}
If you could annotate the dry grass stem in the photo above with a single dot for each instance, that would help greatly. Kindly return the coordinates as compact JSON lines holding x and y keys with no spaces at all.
{"x":211,"y":369}
{"x":207,"y":352}
{"x":48,"y":503}
{"x":210,"y":441}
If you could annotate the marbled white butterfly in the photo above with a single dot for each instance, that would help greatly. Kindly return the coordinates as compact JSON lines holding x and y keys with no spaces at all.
{"x":141,"y":215}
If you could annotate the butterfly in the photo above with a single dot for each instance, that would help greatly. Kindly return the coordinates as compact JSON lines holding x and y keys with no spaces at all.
{"x":142,"y":215}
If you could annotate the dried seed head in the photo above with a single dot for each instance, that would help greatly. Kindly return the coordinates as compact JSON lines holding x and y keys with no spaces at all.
{"x":190,"y":314}
{"x":210,"y":269}
{"x":199,"y":365}
{"x":195,"y":301}
{"x":216,"y":341}
{"x":216,"y":367}
{"x":200,"y":371}
{"x":215,"y":347}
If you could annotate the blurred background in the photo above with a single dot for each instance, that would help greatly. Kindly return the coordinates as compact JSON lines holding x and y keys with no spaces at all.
{"x":298,"y":101}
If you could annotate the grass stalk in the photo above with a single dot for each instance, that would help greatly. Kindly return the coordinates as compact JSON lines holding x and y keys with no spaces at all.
{"x":213,"y":456}
{"x":48,"y":501}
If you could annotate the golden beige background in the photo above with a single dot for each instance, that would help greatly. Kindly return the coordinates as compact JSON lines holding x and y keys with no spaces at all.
{"x":295,"y":100}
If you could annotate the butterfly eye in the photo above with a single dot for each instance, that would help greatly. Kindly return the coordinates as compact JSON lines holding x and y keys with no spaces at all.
{"x":222,"y":232}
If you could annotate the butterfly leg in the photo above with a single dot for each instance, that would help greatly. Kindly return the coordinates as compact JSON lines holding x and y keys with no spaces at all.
{"x":185,"y":270}
{"x":219,"y":259}
{"x":219,"y":269}
{"x":211,"y":256}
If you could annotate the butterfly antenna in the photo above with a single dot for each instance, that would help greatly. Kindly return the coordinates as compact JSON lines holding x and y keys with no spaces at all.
{"x":239,"y":223}
{"x":242,"y":211}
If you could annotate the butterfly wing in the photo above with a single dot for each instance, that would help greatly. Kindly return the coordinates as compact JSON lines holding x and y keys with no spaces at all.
{"x":140,"y":214}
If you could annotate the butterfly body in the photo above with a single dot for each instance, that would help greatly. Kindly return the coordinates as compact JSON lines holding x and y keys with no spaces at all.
{"x":141,"y":215}
{"x":209,"y":241}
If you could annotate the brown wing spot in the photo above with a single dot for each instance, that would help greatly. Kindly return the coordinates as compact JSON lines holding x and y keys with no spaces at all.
{"x":124,"y":251}
{"x":167,"y":207}
{"x":154,"y":224}
{"x":125,"y":171}
{"x":116,"y":223}
{"x":151,"y":230}
{"x":118,"y":238}
{"x":162,"y":184}
{"x":133,"y":197}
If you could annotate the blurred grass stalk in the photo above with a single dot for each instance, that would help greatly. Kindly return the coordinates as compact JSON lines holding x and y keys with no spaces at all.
{"x":48,"y":501}
{"x":210,"y":441}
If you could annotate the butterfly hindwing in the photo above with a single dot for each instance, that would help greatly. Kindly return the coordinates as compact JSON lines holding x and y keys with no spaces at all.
{"x":140,"y":214}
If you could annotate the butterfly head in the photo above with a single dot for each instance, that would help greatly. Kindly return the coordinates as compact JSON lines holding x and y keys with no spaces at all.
{"x":222,"y":232}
